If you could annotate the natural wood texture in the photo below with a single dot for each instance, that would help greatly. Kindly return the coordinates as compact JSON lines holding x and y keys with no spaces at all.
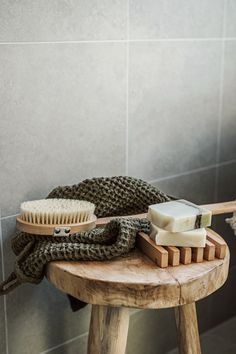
{"x":103,"y":221}
{"x":221,"y":208}
{"x":209,"y":251}
{"x":173,"y":255}
{"x":136,"y":281}
{"x":187,"y":329}
{"x":216,"y":209}
{"x":185,"y":255}
{"x":46,"y":230}
{"x":108,"y":330}
{"x":197,"y":254}
{"x":218,"y":242}
{"x":157,"y":254}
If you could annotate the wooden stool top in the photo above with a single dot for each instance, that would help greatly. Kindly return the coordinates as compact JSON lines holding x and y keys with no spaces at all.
{"x":135,"y":281}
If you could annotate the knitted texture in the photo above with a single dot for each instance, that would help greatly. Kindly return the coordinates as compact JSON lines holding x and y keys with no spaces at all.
{"x":114,"y":196}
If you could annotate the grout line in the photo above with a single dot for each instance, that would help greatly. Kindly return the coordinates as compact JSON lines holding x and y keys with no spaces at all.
{"x":4,"y":297}
{"x":8,"y":216}
{"x":68,"y":42}
{"x":102,"y":41}
{"x":200,"y":169}
{"x":64,"y":343}
{"x":221,"y":96}
{"x":225,"y":163}
{"x":76,"y":338}
{"x":127,"y":98}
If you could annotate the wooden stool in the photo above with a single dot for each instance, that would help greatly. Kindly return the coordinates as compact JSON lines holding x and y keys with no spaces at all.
{"x":135,"y":281}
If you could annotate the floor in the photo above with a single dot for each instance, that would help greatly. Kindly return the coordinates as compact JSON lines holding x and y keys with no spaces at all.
{"x":219,"y":340}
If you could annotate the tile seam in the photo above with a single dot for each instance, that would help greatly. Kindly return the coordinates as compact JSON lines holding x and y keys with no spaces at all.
{"x":64,"y":343}
{"x":225,"y":163}
{"x":221,"y":97}
{"x":191,"y":39}
{"x":4,"y":297}
{"x":127,"y":96}
{"x":200,"y":169}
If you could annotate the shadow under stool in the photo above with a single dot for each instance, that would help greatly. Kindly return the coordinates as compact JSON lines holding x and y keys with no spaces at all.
{"x":112,"y":287}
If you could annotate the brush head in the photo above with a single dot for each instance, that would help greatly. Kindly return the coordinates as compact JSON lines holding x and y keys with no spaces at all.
{"x":56,"y":211}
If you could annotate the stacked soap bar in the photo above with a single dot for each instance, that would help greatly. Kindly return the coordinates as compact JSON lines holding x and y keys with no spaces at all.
{"x":179,"y":223}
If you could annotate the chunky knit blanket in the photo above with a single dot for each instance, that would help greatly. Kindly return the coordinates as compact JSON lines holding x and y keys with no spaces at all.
{"x":113,"y":196}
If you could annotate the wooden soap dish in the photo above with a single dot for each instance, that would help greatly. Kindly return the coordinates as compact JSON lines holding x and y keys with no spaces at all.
{"x":163,"y":256}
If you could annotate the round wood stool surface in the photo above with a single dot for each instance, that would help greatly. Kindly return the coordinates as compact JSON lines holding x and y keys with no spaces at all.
{"x":135,"y":281}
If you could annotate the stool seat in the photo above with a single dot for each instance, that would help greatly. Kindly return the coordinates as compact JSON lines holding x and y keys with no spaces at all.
{"x":135,"y":281}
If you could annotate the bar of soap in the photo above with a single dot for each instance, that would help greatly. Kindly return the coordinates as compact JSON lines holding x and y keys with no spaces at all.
{"x":179,"y":215}
{"x":192,"y":238}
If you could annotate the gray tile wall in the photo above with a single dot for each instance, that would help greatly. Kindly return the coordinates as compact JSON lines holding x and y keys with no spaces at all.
{"x":101,"y":87}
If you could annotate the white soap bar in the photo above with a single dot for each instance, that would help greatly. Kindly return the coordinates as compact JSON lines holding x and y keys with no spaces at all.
{"x":179,"y":215}
{"x":192,"y":238}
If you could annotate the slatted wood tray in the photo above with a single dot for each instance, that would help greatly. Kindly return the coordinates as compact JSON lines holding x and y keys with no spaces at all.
{"x":173,"y":256}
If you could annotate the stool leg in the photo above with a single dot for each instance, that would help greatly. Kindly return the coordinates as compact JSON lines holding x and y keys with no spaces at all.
{"x":108,"y":330}
{"x":187,"y":329}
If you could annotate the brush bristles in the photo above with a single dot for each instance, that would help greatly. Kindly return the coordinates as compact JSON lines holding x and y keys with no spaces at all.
{"x":56,"y":211}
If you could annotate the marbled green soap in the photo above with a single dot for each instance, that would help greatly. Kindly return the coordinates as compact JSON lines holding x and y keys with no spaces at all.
{"x":179,"y":215}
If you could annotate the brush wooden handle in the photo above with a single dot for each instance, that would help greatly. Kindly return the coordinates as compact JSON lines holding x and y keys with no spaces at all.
{"x":221,"y":208}
{"x":216,"y":209}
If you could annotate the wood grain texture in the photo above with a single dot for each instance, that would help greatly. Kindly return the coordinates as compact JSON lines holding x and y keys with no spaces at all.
{"x":187,"y":329}
{"x":173,"y":255}
{"x":221,"y":208}
{"x":216,"y":209}
{"x":136,"y":281}
{"x":197,"y":254}
{"x":157,"y":254}
{"x":185,"y":255}
{"x":219,"y":243}
{"x":209,"y":251}
{"x":108,"y":330}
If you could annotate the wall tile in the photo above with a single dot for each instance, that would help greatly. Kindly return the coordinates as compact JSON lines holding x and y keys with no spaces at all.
{"x":55,"y":20}
{"x":228,"y":130}
{"x":223,"y":304}
{"x":226,"y":331}
{"x":39,"y":316}
{"x":76,"y":346}
{"x":227,"y":192}
{"x":231,"y":18}
{"x":2,"y":314}
{"x":176,"y":18}
{"x":210,"y":343}
{"x":151,"y":332}
{"x":197,"y":187}
{"x":63,"y":117}
{"x":174,"y":91}
{"x":226,"y":182}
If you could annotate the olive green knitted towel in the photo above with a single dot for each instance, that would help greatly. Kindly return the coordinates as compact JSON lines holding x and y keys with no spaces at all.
{"x":113,"y":196}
